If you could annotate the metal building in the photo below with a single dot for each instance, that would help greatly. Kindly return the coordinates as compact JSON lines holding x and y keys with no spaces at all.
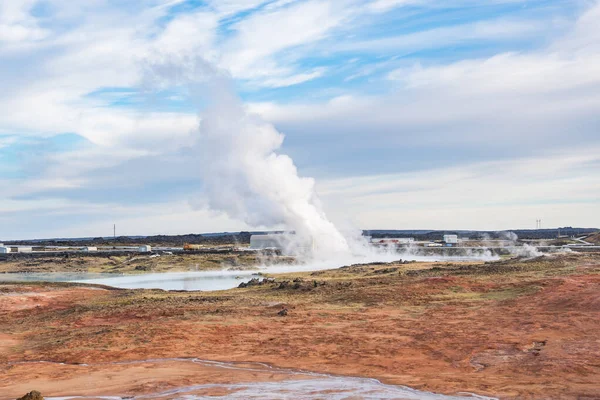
{"x":288,"y":243}
{"x":22,"y":249}
{"x":453,"y":239}
{"x":266,"y":241}
{"x":145,"y":249}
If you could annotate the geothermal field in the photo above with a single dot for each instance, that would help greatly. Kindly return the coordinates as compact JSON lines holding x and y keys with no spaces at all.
{"x":308,"y":312}
{"x":225,"y":321}
{"x":299,"y":199}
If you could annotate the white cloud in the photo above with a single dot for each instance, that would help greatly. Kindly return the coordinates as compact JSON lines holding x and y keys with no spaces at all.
{"x":510,"y":99}
{"x":225,"y":8}
{"x":7,"y":141}
{"x":16,"y":23}
{"x":109,"y":48}
{"x":258,"y":38}
{"x":498,"y":29}
{"x":386,"y":5}
{"x":506,"y":73}
{"x":188,"y":33}
{"x":293,"y":79}
{"x":498,"y":194}
{"x":179,"y":217}
{"x":533,"y":101}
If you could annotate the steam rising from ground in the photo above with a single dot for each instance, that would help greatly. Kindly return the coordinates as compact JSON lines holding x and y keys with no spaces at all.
{"x":242,"y":171}
{"x":245,"y":177}
{"x":526,"y":250}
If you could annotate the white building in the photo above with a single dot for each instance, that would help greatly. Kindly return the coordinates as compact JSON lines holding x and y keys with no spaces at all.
{"x":145,"y":249}
{"x":22,"y":249}
{"x":288,"y":244}
{"x":89,"y":248}
{"x":451,"y":239}
{"x":4,"y":250}
{"x":267,"y":241}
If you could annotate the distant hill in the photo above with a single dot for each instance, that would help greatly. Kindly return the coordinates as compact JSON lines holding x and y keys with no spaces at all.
{"x":472,"y":234}
{"x":157,"y":240}
{"x":244,"y":237}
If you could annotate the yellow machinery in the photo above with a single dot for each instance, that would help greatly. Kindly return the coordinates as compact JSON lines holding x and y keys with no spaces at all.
{"x":188,"y":246}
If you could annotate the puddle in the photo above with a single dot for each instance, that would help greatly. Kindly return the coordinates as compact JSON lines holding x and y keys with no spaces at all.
{"x":296,"y":384}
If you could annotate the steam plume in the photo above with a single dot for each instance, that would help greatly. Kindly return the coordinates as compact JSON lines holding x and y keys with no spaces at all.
{"x":242,"y":171}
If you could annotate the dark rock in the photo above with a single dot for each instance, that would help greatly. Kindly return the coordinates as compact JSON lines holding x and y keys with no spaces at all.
{"x":33,"y":395}
{"x":283,"y":285}
{"x":385,"y":271}
{"x":254,"y":282}
{"x":283,"y":312}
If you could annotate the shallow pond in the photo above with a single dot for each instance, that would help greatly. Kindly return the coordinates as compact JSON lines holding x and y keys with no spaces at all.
{"x":331,"y":388}
{"x":192,"y":280}
{"x":282,"y":384}
{"x":209,"y":280}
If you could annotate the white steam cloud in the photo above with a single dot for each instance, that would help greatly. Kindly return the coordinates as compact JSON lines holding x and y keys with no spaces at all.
{"x":526,"y":250}
{"x":509,"y":235}
{"x":244,"y":175}
{"x":242,"y":171}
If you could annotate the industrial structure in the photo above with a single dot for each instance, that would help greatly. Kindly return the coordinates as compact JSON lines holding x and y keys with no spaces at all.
{"x":451,"y":239}
{"x":15,"y":249}
{"x":286,"y":243}
{"x":266,"y":241}
{"x":392,"y":241}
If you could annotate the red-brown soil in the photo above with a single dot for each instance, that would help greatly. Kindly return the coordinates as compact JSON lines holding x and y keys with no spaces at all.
{"x":512,"y":329}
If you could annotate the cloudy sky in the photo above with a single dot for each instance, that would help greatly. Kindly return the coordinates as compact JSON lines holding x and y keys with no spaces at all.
{"x":457,"y":114}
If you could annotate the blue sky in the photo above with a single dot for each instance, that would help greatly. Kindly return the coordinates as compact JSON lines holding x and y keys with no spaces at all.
{"x":410,"y":114}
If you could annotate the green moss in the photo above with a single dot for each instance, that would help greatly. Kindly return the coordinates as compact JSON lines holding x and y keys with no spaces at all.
{"x":512,"y":293}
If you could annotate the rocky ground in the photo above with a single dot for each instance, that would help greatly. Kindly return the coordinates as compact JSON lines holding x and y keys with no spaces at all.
{"x":512,"y":328}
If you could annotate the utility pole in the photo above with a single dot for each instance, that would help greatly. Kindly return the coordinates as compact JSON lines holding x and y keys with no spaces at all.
{"x":114,"y":231}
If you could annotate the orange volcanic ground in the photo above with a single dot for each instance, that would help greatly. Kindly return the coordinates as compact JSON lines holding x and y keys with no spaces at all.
{"x":510,"y":329}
